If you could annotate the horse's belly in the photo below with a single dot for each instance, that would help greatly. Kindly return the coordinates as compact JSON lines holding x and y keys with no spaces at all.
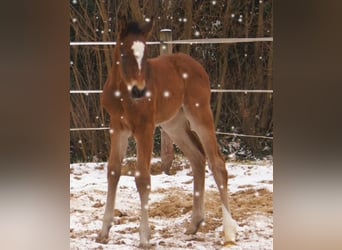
{"x":167,"y":112}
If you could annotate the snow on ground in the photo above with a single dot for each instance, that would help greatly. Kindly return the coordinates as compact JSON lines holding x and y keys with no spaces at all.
{"x":251,"y":202}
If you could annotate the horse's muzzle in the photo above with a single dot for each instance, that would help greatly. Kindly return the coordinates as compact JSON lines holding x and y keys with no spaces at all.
{"x":137,"y":93}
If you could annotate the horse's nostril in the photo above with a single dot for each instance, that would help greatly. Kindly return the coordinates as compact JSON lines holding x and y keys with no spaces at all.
{"x":137,"y":93}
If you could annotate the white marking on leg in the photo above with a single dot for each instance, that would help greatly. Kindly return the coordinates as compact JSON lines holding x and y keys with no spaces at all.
{"x":230,"y":226}
{"x":138,"y":51}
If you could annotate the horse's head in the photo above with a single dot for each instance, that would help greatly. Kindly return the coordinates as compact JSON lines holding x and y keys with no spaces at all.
{"x":133,"y":59}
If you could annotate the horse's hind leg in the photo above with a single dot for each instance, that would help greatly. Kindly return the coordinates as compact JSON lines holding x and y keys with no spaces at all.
{"x":179,"y":131}
{"x":119,"y":142}
{"x":202,"y":123}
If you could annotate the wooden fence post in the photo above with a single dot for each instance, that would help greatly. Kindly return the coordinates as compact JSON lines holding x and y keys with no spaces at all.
{"x":166,"y":151}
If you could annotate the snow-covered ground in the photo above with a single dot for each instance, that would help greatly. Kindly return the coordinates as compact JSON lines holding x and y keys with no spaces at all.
{"x":251,"y":202}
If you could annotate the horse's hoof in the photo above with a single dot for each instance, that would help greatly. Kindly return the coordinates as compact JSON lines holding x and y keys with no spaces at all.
{"x":193,"y":227}
{"x":191,"y":230}
{"x":102,"y":239}
{"x":145,"y":246}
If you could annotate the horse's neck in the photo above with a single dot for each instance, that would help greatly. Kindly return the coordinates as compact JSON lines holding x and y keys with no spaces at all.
{"x":115,"y":70}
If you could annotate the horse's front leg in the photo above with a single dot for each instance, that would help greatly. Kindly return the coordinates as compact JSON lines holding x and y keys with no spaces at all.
{"x":144,"y":139}
{"x":119,"y":142}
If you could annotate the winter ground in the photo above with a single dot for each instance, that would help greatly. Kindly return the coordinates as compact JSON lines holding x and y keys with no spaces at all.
{"x":251,"y":202}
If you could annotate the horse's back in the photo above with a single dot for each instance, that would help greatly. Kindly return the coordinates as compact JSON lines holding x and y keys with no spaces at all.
{"x":185,"y":69}
{"x":184,"y":79}
{"x":184,"y":64}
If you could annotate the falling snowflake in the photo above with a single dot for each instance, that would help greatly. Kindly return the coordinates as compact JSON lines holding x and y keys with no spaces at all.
{"x":111,"y":131}
{"x":117,"y":93}
{"x":185,"y":75}
{"x":166,"y":93}
{"x":148,"y":93}
{"x":197,"y":33}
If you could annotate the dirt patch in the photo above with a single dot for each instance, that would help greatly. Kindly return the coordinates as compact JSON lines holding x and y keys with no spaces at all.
{"x":174,"y":205}
{"x":251,"y":201}
{"x":129,"y":167}
{"x":243,"y":204}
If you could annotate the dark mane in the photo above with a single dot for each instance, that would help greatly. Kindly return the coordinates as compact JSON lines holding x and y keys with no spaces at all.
{"x":133,"y":28}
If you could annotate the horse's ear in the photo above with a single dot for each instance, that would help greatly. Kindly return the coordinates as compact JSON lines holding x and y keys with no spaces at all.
{"x":147,"y":28}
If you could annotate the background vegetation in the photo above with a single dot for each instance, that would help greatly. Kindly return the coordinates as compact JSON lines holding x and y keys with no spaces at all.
{"x":230,"y":66}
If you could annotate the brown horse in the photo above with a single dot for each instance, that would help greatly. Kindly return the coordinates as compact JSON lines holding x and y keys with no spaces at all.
{"x":171,"y":91}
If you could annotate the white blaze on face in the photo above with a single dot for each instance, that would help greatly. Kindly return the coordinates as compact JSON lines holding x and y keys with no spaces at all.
{"x":138,"y":51}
